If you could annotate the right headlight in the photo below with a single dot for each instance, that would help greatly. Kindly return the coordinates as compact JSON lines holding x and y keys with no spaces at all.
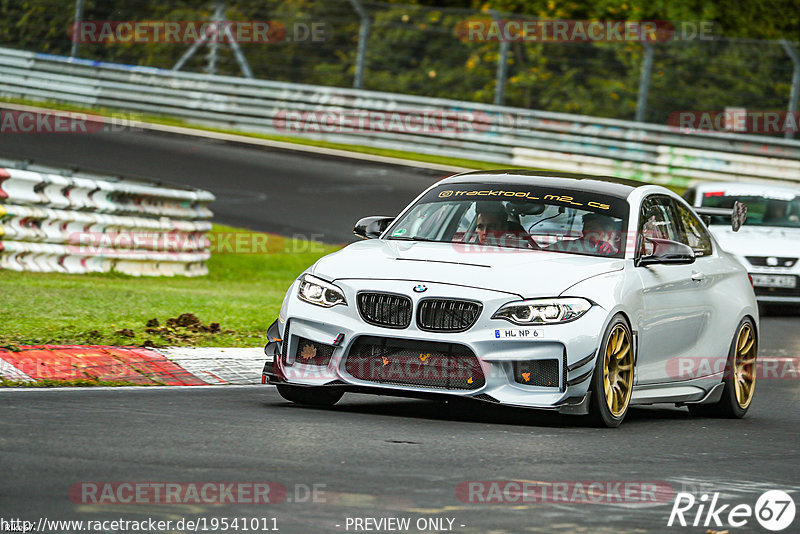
{"x":317,"y":291}
{"x":543,"y":311}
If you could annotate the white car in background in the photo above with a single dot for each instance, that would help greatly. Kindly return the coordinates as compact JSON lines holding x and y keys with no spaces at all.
{"x":566,"y":292}
{"x":769,"y":242}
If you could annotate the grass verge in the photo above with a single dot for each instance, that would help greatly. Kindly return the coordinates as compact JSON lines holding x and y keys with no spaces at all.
{"x":242,"y":293}
{"x":83,"y":383}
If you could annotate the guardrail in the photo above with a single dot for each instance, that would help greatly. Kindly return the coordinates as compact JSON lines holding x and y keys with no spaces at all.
{"x":510,"y":136}
{"x":56,"y":222}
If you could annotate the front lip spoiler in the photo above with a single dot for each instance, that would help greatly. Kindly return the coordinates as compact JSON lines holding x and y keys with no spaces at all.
{"x":571,"y":406}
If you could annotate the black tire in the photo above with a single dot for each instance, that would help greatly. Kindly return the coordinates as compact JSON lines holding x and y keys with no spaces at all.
{"x":313,"y":396}
{"x":599,"y":411}
{"x":728,"y":406}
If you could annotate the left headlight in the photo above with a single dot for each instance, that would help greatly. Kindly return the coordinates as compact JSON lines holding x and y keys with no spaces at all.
{"x":319,"y":292}
{"x":543,"y":311}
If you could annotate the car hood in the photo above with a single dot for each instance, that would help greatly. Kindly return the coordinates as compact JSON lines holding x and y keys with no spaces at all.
{"x":759,"y":241}
{"x":524,"y":273}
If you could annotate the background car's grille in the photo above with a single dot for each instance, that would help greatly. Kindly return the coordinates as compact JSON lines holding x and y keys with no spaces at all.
{"x":447,"y":315}
{"x":422,"y":364}
{"x":542,"y":373}
{"x":385,"y":309}
{"x":312,"y":353}
{"x":761,"y":261}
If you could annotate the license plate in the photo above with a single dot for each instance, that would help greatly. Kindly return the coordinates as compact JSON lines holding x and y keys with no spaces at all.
{"x":519,"y":333}
{"x":774,"y":280}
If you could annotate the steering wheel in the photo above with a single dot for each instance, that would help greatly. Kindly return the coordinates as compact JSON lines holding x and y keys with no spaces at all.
{"x":524,"y":237}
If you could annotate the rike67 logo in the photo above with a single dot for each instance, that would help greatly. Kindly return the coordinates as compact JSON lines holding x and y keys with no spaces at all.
{"x":774,"y":510}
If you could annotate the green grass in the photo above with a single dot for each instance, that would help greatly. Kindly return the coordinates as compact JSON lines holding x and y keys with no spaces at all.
{"x":242,"y":293}
{"x":80,"y":383}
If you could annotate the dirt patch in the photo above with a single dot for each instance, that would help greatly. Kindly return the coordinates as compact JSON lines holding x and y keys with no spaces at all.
{"x":184,"y":328}
{"x":190,"y":322}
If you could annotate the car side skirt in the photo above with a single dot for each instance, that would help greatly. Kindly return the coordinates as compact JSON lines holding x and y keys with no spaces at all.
{"x":687,"y":391}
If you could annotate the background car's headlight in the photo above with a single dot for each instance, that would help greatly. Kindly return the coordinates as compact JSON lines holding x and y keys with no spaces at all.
{"x":543,"y":311}
{"x":319,"y":292}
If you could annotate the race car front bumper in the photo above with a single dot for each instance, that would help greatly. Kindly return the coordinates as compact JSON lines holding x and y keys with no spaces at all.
{"x":544,"y":367}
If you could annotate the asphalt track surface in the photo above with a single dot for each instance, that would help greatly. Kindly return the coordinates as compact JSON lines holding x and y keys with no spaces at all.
{"x":375,"y":456}
{"x":386,"y":457}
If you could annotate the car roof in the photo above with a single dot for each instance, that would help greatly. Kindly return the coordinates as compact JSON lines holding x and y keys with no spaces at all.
{"x":748,"y":189}
{"x":608,"y":185}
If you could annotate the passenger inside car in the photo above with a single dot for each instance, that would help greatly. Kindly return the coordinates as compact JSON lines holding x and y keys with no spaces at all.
{"x":600,"y":236}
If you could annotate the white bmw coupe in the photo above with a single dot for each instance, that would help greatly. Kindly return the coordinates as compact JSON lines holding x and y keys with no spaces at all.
{"x":562,"y":292}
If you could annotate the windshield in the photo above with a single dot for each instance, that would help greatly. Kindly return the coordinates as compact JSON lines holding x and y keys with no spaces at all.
{"x":778,"y":210}
{"x":519,"y":217}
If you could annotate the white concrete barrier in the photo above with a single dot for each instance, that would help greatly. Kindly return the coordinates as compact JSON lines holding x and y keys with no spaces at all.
{"x":51,"y":222}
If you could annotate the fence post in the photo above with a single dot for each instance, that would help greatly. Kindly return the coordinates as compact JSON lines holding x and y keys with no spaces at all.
{"x":502,"y":64}
{"x":363,"y":39}
{"x":75,"y":28}
{"x":644,"y":82}
{"x":794,"y":95}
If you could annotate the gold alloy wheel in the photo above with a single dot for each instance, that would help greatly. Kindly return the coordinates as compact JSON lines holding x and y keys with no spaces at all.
{"x":745,"y":366}
{"x":618,"y":370}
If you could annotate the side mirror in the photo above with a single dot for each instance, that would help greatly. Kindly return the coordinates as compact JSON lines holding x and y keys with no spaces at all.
{"x":372,"y":227}
{"x":667,"y":252}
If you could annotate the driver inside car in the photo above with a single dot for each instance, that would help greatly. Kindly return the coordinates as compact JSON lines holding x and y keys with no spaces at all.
{"x":491,"y":224}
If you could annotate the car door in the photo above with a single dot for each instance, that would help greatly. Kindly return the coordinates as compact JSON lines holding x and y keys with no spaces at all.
{"x":710,"y":273}
{"x":676,"y":309}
